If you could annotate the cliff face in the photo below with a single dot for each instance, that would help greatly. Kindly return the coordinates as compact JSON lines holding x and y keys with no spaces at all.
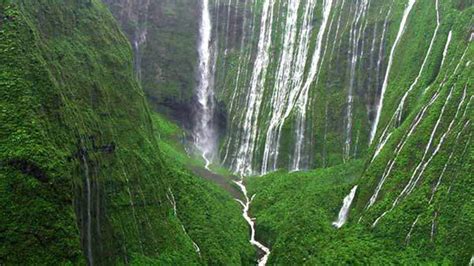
{"x":82,"y":178}
{"x":311,"y":83}
{"x":164,"y":36}
{"x":298,"y":85}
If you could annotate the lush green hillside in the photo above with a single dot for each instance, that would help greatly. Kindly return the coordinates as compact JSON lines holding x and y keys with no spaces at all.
{"x":82,"y":174}
{"x":376,"y":94}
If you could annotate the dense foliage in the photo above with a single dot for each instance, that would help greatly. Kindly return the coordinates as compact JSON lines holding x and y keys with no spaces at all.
{"x":82,"y":174}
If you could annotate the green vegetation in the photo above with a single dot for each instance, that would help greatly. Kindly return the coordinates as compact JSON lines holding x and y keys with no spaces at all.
{"x":166,"y":32}
{"x":80,"y":154}
{"x":89,"y":173}
{"x":212,"y":218}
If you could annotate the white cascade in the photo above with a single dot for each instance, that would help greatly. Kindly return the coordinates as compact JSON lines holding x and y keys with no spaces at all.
{"x":423,"y":164}
{"x":356,"y":33}
{"x":338,"y":26}
{"x":398,"y":149}
{"x":412,"y":227}
{"x":343,"y":213}
{"x":204,"y":131}
{"x":245,"y":213}
{"x":242,"y":62}
{"x":398,"y":112}
{"x":282,"y":91}
{"x":302,"y":100}
{"x":401,"y":30}
{"x":90,"y":258}
{"x":244,"y":157}
{"x":397,"y":116}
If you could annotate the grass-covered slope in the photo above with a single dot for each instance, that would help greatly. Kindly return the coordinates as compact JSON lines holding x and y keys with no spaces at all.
{"x":210,"y":215}
{"x":418,"y":190}
{"x":82,"y":177}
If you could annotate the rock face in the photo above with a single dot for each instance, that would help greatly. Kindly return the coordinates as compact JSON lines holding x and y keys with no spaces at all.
{"x":163,"y":35}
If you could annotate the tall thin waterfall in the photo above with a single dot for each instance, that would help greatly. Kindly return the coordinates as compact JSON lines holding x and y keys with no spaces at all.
{"x":280,"y":91}
{"x":343,"y":213}
{"x":204,"y":130}
{"x":243,"y":163}
{"x":302,"y":102}
{"x":401,"y":30}
{"x":356,"y":33}
{"x":289,"y":78}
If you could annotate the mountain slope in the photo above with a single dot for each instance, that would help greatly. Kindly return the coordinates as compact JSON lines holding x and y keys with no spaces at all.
{"x":82,"y":175}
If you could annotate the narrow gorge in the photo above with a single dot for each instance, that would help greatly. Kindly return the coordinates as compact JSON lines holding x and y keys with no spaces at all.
{"x":236,"y":132}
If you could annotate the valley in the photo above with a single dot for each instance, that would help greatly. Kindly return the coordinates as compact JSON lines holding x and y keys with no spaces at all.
{"x":236,"y":132}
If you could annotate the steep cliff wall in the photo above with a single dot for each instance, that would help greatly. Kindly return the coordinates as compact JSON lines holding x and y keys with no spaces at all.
{"x":301,"y":85}
{"x":163,"y":35}
{"x":82,"y":177}
{"x":312,"y":80}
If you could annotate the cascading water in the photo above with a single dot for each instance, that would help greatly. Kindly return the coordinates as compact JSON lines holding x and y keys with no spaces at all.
{"x":172,"y":201}
{"x":397,"y":116}
{"x":204,"y":130}
{"x":88,"y":234}
{"x":281,"y":89}
{"x":140,"y":38}
{"x":401,"y":30}
{"x":343,"y":213}
{"x":302,"y":101}
{"x":244,"y":157}
{"x":356,"y":33}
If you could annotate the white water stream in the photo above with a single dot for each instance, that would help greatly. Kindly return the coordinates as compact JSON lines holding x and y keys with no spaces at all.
{"x":245,"y":213}
{"x":204,"y":131}
{"x":401,"y":30}
{"x":302,"y":101}
{"x":245,"y":153}
{"x":396,"y":118}
{"x":356,"y":33}
{"x":343,"y":213}
{"x":90,"y":257}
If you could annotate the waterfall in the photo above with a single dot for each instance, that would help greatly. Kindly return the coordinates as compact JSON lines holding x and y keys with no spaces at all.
{"x":243,"y":163}
{"x":302,"y":100}
{"x":281,"y":88}
{"x":90,"y":258}
{"x":140,"y":38}
{"x":401,"y":30}
{"x":343,"y":213}
{"x":204,"y":131}
{"x":420,"y":168}
{"x":245,"y":213}
{"x":243,"y":61}
{"x":356,"y":33}
{"x":407,"y":238}
{"x":172,"y":201}
{"x":398,"y":113}
{"x":398,"y":149}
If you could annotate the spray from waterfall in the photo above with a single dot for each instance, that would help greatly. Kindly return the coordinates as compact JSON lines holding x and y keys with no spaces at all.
{"x":204,"y":130}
